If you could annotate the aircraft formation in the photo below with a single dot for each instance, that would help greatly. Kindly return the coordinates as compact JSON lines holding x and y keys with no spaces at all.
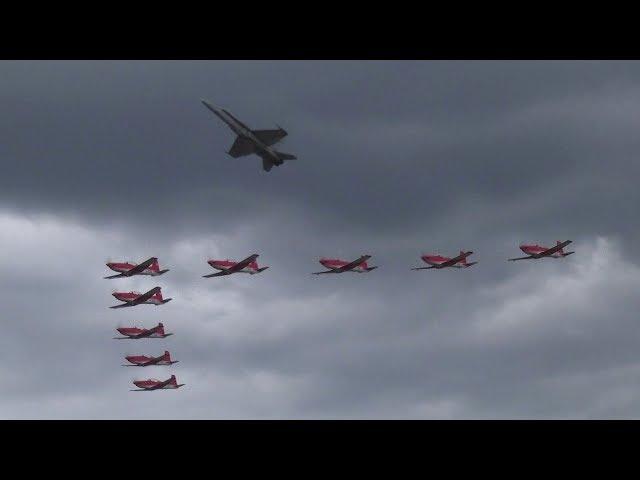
{"x":260,"y":143}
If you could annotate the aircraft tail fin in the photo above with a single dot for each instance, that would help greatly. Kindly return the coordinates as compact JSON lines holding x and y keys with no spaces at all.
{"x":173,"y":380}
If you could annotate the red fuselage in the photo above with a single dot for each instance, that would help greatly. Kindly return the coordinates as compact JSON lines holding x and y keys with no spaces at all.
{"x":152,"y":383}
{"x":226,"y":264}
{"x":436,"y":260}
{"x":156,"y":299}
{"x":143,"y":360}
{"x":333,"y":263}
{"x":158,"y":332}
{"x":537,"y":249}
{"x":122,"y":267}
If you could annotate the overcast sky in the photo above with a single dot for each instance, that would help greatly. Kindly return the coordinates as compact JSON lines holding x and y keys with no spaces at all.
{"x":120,"y":161}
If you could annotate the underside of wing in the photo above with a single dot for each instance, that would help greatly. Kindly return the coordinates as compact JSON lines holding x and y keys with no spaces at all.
{"x":552,"y":250}
{"x":242,"y":147}
{"x":217,"y":274}
{"x":120,"y":275}
{"x":122,"y":305}
{"x":270,"y":137}
{"x":520,"y":258}
{"x":243,"y":263}
{"x":351,"y":265}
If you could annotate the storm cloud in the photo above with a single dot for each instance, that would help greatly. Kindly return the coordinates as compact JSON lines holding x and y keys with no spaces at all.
{"x":119,"y":160}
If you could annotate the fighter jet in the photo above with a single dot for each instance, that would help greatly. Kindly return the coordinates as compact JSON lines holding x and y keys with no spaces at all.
{"x":253,"y":141}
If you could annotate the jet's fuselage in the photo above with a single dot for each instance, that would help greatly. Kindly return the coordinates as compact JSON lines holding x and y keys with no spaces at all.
{"x":243,"y":131}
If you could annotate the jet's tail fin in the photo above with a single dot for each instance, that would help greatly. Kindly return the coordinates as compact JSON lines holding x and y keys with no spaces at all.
{"x":173,"y":380}
{"x":561,"y":251}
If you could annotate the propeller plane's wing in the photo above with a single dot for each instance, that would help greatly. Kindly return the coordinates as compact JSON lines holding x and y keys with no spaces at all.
{"x":552,"y":250}
{"x":141,"y":267}
{"x":452,"y":261}
{"x":354,"y":264}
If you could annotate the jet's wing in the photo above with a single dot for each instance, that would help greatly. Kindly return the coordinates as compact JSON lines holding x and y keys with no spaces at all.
{"x":353,"y":264}
{"x":423,"y":268}
{"x":552,"y":250}
{"x":140,"y":268}
{"x":242,"y":147}
{"x":454,"y":260}
{"x":270,"y":137}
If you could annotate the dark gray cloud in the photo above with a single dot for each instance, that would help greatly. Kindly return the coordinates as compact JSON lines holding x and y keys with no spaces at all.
{"x":120,"y":160}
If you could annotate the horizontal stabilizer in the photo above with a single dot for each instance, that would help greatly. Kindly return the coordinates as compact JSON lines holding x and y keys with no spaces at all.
{"x":262,"y":269}
{"x":285,"y":156}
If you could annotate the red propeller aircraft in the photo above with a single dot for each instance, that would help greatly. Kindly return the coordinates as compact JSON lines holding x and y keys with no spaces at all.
{"x":128,"y":269}
{"x":438,"y":261}
{"x":144,"y":361}
{"x":536,"y":251}
{"x":130,"y":299}
{"x":339,"y":266}
{"x":227,"y":267}
{"x":135,"y":333}
{"x":153,"y":384}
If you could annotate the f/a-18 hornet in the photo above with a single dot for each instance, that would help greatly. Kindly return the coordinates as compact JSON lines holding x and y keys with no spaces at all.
{"x":249,"y":141}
